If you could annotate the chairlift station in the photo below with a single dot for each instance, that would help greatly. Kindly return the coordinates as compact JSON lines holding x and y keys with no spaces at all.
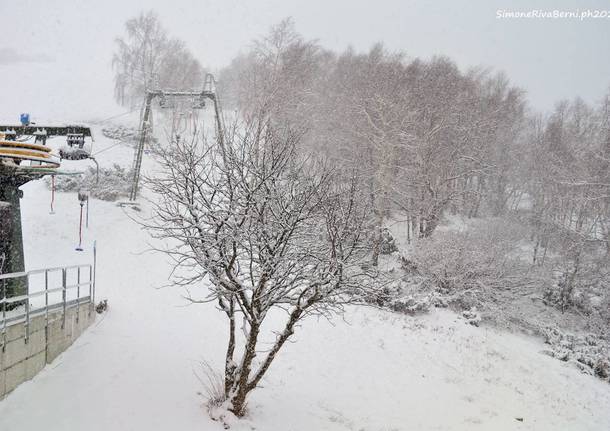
{"x":21,"y":161}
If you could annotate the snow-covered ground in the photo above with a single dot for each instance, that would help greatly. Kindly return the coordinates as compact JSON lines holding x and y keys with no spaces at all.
{"x":135,"y":368}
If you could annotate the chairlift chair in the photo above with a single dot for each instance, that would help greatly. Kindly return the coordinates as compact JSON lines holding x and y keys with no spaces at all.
{"x":163,"y":101}
{"x":40,"y":137}
{"x":75,"y":150}
{"x":167,"y":101}
{"x":199,"y":102}
{"x":75,"y":140}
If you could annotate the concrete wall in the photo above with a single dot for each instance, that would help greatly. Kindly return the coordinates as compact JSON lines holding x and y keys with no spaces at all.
{"x":21,"y":360}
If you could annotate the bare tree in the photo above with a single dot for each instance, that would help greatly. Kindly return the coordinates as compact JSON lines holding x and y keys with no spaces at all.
{"x":270,"y":229}
{"x":425,"y":139}
{"x":146,"y":57}
{"x":570,"y":191}
{"x":278,"y":75}
{"x":424,"y":135}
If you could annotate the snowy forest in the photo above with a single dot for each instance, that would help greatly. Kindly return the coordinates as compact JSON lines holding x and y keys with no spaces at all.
{"x":458,"y":194}
{"x":416,"y":199}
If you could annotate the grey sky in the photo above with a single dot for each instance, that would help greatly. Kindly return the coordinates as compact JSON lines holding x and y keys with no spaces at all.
{"x":550,"y":58}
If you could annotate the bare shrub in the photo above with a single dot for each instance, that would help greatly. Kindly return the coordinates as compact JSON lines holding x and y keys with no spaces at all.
{"x":469,"y":266}
{"x":482,"y":256}
{"x":590,"y":352}
{"x":212,"y":382}
{"x":582,"y":283}
{"x":107,"y":184}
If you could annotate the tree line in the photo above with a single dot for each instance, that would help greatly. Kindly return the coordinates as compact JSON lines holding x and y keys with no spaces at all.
{"x":284,"y":213}
{"x":429,"y":139}
{"x":147,"y":58}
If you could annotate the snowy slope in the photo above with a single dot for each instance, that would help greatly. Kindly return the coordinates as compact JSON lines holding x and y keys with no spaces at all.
{"x":135,"y":368}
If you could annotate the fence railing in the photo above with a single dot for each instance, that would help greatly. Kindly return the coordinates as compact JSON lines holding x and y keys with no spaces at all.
{"x":47,"y":290}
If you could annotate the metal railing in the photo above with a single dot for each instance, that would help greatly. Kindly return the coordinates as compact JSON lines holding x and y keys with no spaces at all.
{"x":47,"y":290}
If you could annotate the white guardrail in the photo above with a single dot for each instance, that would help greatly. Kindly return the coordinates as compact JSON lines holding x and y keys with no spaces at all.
{"x":47,"y":290}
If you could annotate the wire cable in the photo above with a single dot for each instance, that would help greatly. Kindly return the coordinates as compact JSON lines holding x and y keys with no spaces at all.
{"x":107,"y":148}
{"x":114,"y":116}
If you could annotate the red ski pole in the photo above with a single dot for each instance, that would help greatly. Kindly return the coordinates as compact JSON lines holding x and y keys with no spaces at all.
{"x":80,"y":229}
{"x":82,"y":197}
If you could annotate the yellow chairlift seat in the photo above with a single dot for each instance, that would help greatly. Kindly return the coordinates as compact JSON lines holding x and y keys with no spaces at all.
{"x":15,"y":152}
{"x":27,"y":145}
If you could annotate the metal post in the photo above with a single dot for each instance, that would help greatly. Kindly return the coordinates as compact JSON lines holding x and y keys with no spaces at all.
{"x":94,"y":271}
{"x":46,"y":297}
{"x":138,"y":159}
{"x":219,"y":127}
{"x":27,"y":309}
{"x":63,"y":296}
{"x":90,"y":290}
{"x":77,"y":293}
{"x":3,"y":315}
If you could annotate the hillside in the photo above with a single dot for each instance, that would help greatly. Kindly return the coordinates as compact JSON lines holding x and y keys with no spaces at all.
{"x":135,"y":368}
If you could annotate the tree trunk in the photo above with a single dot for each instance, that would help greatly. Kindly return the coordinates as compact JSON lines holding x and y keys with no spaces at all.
{"x":240,"y":388}
{"x":431,"y":224}
{"x":229,"y":363}
{"x":243,"y":385}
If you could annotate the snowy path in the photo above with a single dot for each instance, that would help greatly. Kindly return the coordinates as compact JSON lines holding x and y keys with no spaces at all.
{"x":134,"y":369}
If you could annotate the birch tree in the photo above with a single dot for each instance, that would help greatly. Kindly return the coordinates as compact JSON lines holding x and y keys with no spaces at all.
{"x":146,"y":58}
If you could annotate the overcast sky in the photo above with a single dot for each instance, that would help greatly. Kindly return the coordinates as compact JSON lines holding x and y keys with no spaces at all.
{"x":60,"y":50}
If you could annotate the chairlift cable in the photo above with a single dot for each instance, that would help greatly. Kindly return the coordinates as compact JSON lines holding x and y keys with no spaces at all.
{"x":106,"y":149}
{"x":114,"y":116}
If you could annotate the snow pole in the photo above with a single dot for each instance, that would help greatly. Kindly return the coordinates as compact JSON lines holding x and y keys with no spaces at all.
{"x":94,"y":271}
{"x":52,"y":194}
